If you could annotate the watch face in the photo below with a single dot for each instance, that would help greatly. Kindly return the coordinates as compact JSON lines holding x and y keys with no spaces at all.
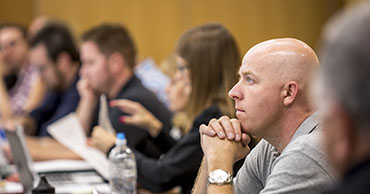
{"x":219,"y":177}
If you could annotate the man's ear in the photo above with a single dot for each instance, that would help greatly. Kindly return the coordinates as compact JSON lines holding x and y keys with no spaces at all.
{"x":63,"y":62}
{"x":116,"y":62}
{"x":290,"y":92}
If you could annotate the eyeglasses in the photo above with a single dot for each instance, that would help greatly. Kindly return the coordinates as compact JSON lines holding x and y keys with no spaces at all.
{"x":182,"y":67}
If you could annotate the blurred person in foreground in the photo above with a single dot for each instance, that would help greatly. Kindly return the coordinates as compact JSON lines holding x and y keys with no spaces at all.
{"x":343,"y":96}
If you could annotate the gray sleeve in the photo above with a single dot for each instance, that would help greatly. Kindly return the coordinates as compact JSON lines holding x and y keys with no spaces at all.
{"x":297,"y":173}
{"x":248,"y":178}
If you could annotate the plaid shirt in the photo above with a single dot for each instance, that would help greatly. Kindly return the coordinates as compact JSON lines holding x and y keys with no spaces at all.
{"x":18,"y":95}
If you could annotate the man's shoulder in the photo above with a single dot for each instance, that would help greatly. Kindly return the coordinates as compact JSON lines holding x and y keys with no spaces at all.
{"x":136,"y":91}
{"x":308,"y":147}
{"x":309,"y":144}
{"x":144,"y":97}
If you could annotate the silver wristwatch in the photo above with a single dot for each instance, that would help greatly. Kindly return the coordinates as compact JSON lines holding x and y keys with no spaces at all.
{"x":220,"y":177}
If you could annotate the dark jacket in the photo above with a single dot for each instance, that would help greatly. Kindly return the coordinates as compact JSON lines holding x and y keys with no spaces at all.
{"x":179,"y":166}
{"x":137,"y":137}
{"x":357,"y":180}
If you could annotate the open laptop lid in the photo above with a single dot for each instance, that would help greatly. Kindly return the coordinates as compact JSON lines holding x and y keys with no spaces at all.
{"x":22,"y":158}
{"x":29,"y":178}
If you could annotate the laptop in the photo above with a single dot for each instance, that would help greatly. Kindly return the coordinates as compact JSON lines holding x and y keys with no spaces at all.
{"x":65,"y":181}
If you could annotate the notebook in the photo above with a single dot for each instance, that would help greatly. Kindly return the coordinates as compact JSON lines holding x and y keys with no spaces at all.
{"x":64,"y":181}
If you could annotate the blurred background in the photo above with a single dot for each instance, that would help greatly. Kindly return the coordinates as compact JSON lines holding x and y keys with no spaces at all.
{"x":157,"y":24}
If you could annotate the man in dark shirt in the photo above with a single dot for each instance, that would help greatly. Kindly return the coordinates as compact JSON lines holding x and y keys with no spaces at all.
{"x":344,"y":97}
{"x":54,"y":53}
{"x":108,"y":57}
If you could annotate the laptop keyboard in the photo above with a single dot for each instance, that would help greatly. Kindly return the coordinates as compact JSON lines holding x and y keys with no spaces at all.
{"x":85,"y":177}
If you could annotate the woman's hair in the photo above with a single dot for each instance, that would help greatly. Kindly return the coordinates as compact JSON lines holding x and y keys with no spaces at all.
{"x":213,"y":59}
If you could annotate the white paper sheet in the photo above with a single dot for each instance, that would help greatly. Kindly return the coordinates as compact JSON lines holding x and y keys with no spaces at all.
{"x":69,"y":132}
{"x":61,"y":165}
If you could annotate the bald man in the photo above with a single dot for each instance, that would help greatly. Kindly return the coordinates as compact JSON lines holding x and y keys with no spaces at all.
{"x":271,"y":102}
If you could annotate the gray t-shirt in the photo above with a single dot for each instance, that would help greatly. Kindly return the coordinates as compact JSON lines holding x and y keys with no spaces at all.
{"x":302,"y":166}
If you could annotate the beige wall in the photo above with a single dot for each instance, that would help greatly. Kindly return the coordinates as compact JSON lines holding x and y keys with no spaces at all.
{"x":16,"y":11}
{"x":157,"y":24}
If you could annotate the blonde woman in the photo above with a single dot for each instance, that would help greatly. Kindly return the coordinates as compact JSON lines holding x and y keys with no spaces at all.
{"x":207,"y":62}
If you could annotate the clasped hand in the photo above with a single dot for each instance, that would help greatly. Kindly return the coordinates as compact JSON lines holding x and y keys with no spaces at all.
{"x":224,"y":137}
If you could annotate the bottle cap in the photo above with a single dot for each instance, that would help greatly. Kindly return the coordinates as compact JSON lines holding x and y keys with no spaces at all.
{"x":43,"y":187}
{"x":121,"y":136}
{"x":2,"y":134}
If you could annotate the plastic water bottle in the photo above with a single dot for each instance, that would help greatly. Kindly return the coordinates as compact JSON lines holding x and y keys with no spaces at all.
{"x":122,"y":169}
{"x":3,"y":142}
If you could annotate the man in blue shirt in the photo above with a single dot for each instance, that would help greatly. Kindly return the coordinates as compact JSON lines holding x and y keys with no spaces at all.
{"x":55,"y":55}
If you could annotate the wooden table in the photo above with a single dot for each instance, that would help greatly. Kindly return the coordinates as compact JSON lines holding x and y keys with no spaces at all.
{"x":47,"y":148}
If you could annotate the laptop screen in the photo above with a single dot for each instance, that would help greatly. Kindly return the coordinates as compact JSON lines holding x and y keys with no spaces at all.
{"x":21,"y":158}
{"x":65,"y":181}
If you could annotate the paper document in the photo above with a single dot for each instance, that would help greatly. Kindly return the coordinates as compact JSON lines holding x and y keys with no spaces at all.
{"x":10,"y":187}
{"x":68,"y":131}
{"x":61,"y":166}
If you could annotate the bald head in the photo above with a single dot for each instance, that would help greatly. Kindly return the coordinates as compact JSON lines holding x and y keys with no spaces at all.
{"x":287,"y":59}
{"x":284,"y":60}
{"x":286,"y":65}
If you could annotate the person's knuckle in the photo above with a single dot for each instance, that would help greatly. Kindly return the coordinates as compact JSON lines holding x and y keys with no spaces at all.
{"x":234,"y":120}
{"x":212,"y":122}
{"x":224,"y":118}
{"x":202,"y":127}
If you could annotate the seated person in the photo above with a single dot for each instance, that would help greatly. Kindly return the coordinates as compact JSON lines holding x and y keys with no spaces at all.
{"x":343,"y":95}
{"x":207,"y":58}
{"x":55,"y":55}
{"x":37,"y":24}
{"x":21,"y":88}
{"x":152,"y":78}
{"x":272,"y":102}
{"x":108,"y":57}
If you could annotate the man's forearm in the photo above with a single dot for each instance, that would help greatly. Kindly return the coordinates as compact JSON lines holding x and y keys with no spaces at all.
{"x":220,"y":189}
{"x":215,"y":162}
{"x":85,"y":113}
{"x":201,"y":182}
